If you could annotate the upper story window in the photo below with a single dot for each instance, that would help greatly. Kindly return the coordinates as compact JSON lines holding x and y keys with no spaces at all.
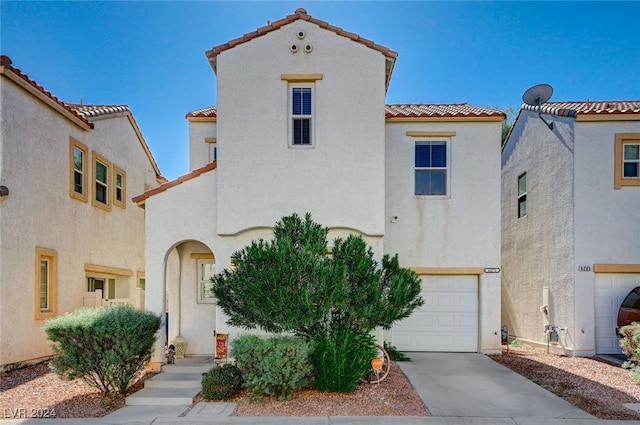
{"x":522,"y":195}
{"x":301,"y":115}
{"x":78,"y":170}
{"x":627,"y":160}
{"x":120,"y":187}
{"x":102,"y":182}
{"x":431,"y":168}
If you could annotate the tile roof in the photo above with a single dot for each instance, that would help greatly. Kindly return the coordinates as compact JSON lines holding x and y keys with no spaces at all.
{"x":440,"y":111}
{"x":590,"y":107}
{"x":90,"y":112}
{"x":94,"y":111}
{"x":7,"y":68}
{"x":163,"y":187}
{"x":208,"y":112}
{"x":399,"y":111}
{"x":300,"y":13}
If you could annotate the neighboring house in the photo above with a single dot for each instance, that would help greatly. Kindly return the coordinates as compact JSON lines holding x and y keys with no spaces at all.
{"x":301,"y":126}
{"x":571,"y":223}
{"x":69,"y":235}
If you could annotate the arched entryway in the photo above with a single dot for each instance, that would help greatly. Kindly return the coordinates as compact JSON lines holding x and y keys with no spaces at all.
{"x":190,"y":306}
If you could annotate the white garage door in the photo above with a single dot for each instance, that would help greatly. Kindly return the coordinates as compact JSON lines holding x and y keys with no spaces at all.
{"x":610,"y":291}
{"x":448,"y":320}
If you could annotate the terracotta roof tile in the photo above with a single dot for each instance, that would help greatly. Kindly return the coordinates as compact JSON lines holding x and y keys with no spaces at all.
{"x":439,"y":110}
{"x":590,"y":107}
{"x":297,"y":15}
{"x":402,"y":111}
{"x":93,"y":111}
{"x":7,"y":65}
{"x":208,"y":112}
{"x":163,"y":187}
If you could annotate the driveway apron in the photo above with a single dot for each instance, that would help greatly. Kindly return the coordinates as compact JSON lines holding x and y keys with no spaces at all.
{"x":473,"y":385}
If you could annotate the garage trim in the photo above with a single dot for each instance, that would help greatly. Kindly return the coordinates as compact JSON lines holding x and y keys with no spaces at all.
{"x":460,"y":271}
{"x":616,"y":268}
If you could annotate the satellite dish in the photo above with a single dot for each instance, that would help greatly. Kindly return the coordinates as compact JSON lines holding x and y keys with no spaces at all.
{"x":536,"y":96}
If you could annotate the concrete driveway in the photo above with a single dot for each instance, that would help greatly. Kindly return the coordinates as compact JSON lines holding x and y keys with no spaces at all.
{"x":473,"y":385}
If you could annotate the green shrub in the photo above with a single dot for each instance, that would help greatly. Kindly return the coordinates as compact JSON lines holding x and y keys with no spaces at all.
{"x":222,"y":382}
{"x":105,"y":346}
{"x":341,"y":357}
{"x":276,"y":366}
{"x":395,"y":354}
{"x":630,"y":343}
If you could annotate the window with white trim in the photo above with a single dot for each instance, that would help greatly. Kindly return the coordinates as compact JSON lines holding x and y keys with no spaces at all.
{"x":46,"y":283}
{"x":431,"y":168}
{"x":301,"y":115}
{"x":206,"y":270}
{"x":102,"y":182}
{"x":522,"y":195}
{"x":627,"y":160}
{"x":120,"y":179}
{"x":631,"y":160}
{"x":212,"y":147}
{"x":78,"y":170}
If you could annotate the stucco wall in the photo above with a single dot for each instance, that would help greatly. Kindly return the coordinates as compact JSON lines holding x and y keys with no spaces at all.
{"x":40,"y":213}
{"x":179,"y":222}
{"x":537,"y":250}
{"x":261,"y":177}
{"x":199,"y":151}
{"x":460,"y":230}
{"x":607,"y":221}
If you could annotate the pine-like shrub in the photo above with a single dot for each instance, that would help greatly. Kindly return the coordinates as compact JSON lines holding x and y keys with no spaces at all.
{"x":630,"y":343}
{"x":105,"y":346}
{"x":222,"y":382}
{"x":276,"y":366}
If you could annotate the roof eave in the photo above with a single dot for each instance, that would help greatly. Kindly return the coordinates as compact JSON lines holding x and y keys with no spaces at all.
{"x":40,"y":95}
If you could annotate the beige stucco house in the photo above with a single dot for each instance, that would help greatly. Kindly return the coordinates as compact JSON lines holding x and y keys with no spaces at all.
{"x":301,"y":125}
{"x":69,"y":233}
{"x":571,"y":223}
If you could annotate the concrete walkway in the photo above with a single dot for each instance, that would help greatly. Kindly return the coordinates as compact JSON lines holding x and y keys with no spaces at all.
{"x":458,"y":389}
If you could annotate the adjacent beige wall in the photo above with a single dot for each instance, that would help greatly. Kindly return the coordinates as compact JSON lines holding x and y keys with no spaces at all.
{"x":40,"y":213}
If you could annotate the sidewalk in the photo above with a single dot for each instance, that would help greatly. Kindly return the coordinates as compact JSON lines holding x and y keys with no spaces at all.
{"x":458,"y":389}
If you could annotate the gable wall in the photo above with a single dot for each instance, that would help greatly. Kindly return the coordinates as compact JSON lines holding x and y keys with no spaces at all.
{"x":260,"y":177}
{"x":537,"y":250}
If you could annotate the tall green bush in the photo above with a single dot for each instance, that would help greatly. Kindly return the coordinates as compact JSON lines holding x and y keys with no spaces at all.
{"x":630,"y":343}
{"x":292,"y":284}
{"x":105,"y":346}
{"x":276,"y":366}
{"x":341,"y":356}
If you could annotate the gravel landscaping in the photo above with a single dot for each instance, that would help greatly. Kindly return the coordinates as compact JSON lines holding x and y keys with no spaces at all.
{"x":596,"y":386}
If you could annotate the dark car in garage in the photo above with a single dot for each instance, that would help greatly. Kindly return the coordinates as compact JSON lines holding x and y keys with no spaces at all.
{"x":630,"y":308}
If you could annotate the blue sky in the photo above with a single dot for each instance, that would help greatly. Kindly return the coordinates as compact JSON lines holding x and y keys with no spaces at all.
{"x":150,"y":54}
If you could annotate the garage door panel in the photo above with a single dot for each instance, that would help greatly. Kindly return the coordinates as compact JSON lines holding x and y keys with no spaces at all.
{"x":448,"y":321}
{"x":610,"y":290}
